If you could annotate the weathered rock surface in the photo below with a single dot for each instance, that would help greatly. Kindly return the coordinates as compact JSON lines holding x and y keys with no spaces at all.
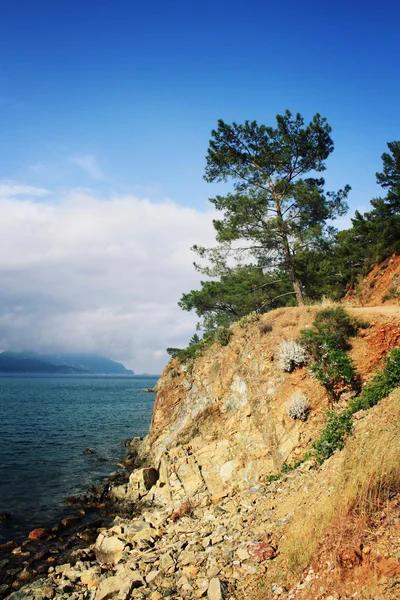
{"x":211,"y":525}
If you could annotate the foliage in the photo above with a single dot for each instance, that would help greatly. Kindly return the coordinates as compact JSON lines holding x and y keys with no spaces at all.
{"x":337,"y":428}
{"x":223,"y":335}
{"x":238,"y":291}
{"x":298,"y":406}
{"x":252,"y":317}
{"x":339,"y":424}
{"x":333,"y":369}
{"x":331,"y":329}
{"x":380,"y":385}
{"x":375,"y":235}
{"x":194,"y":350}
{"x":327,"y":341}
{"x":291,"y":355}
{"x":274,"y":208}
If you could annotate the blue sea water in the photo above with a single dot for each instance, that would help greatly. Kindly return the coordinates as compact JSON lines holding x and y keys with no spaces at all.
{"x":46,"y":423}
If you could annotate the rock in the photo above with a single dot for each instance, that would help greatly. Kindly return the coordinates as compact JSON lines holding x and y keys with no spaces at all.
{"x":90,"y":578}
{"x":166,"y":562}
{"x":5,"y":516}
{"x":134,"y":527}
{"x":202,"y":585}
{"x":152,"y":576}
{"x":242,"y":554}
{"x":40,"y":533}
{"x":110,"y":587}
{"x":156,"y":596}
{"x":261,"y":551}
{"x":215,"y":589}
{"x":141,"y":481}
{"x":8,"y":545}
{"x":88,"y":451}
{"x":187,"y":558}
{"x":69,"y":521}
{"x":108,"y":549}
{"x":122,"y":585}
{"x":146,"y":535}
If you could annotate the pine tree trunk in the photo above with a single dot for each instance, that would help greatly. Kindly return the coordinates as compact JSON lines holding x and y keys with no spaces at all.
{"x":289,"y":258}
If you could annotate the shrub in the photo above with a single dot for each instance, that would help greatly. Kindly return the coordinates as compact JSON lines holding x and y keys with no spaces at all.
{"x":265,"y":327}
{"x":298,"y":406}
{"x":339,"y":425}
{"x":392,"y":293}
{"x":380,"y":385}
{"x":291,"y":355}
{"x":194,"y":350}
{"x":223,"y":335}
{"x":327,"y":341}
{"x":331,"y":329}
{"x":250,"y":318}
{"x":333,"y":370}
{"x":337,"y":428}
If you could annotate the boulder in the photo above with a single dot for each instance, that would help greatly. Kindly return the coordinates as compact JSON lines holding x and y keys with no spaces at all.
{"x":40,"y":533}
{"x":108,"y":549}
{"x":141,"y":481}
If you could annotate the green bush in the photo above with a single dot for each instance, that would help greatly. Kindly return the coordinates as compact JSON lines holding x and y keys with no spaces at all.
{"x":223,"y":335}
{"x":327,"y":341}
{"x":197,"y":346}
{"x":339,"y":425}
{"x":250,"y":318}
{"x":194,"y":350}
{"x":337,"y":428}
{"x":333,"y":369}
{"x":380,"y":385}
{"x":331,"y":330}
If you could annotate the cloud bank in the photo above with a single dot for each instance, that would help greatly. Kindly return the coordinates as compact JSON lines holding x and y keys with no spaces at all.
{"x":89,"y":274}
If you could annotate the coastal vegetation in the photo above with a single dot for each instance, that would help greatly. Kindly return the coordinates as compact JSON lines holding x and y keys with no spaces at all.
{"x":276,"y":245}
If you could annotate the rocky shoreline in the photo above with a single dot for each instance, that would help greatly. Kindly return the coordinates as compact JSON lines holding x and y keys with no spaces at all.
{"x":23,"y":561}
{"x":203,"y":547}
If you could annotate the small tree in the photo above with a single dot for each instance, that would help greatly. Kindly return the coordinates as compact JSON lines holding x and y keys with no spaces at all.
{"x":273,"y":208}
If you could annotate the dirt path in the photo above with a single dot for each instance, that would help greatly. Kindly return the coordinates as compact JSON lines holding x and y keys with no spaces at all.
{"x":388,"y":311}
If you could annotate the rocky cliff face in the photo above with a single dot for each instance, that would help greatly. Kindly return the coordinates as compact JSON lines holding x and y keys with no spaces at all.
{"x":222,"y":423}
{"x":210,"y":524}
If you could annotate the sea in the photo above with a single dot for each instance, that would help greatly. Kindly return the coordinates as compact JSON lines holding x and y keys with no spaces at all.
{"x":46,"y":424}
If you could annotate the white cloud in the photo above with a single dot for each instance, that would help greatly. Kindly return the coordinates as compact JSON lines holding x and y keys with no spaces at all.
{"x":88,"y":163}
{"x":79,"y":273}
{"x":9,"y":189}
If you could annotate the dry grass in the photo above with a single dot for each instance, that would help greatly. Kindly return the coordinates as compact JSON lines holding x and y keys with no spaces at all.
{"x":347,"y":493}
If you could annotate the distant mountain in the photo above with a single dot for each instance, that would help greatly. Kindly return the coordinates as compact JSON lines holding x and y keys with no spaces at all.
{"x":31,"y":362}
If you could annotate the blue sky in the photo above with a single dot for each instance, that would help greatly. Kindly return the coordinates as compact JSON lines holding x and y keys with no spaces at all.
{"x":119,"y":96}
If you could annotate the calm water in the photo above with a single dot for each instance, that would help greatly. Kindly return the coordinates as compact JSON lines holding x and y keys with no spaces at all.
{"x":46,"y":423}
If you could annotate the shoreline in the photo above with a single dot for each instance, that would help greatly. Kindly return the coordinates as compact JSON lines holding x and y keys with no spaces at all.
{"x":26,"y":558}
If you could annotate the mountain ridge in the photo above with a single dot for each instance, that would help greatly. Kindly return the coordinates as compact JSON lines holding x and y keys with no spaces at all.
{"x":62,"y":363}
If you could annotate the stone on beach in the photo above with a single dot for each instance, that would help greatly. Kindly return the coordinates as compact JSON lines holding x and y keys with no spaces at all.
{"x":40,"y":533}
{"x":108,"y":549}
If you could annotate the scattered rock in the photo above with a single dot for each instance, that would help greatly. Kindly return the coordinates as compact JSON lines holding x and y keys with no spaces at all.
{"x":41,"y":533}
{"x":108,"y":549}
{"x":261,"y":551}
{"x":216,"y":590}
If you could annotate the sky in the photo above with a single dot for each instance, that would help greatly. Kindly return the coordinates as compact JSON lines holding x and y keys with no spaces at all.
{"x":106,"y":112}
